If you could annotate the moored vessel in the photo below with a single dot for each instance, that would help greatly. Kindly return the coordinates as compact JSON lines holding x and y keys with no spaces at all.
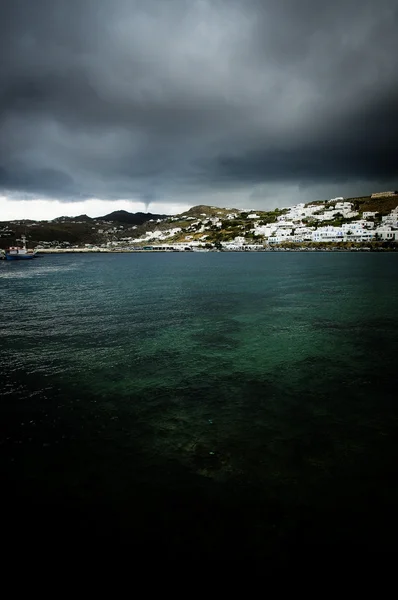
{"x":20,"y":253}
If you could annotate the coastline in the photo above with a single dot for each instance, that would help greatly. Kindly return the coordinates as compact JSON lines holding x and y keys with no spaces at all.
{"x":168,"y":251}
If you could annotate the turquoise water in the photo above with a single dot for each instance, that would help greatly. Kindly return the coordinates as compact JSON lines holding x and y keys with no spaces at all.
{"x":229,"y":405}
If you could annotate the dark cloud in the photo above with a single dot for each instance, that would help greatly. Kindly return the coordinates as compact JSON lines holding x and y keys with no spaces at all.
{"x":179,"y":99}
{"x":47,"y":181}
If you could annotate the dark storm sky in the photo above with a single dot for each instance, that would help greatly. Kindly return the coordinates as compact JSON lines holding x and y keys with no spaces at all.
{"x":241,"y":101}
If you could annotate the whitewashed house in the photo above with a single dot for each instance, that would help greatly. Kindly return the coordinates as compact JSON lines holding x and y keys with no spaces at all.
{"x":386,"y":233}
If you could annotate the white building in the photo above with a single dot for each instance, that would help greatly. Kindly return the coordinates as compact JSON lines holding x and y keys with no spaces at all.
{"x":391,"y":219}
{"x":264,"y":230}
{"x":232,"y":246}
{"x":285,"y":224}
{"x":280,"y":235}
{"x":343,"y":205}
{"x":328,"y":234}
{"x":386,"y":233}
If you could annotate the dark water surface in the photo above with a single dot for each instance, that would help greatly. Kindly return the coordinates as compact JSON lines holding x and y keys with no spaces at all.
{"x":220,"y":405}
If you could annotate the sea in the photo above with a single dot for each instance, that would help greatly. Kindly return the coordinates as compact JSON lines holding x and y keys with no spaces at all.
{"x":220,"y":406}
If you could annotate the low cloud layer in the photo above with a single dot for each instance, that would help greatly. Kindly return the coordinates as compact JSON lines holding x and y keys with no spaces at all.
{"x":240,"y":102}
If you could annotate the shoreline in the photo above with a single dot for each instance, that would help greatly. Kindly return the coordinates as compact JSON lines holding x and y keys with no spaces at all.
{"x":157,"y":251}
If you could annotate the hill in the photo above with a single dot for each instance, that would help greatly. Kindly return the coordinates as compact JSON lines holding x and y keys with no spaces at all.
{"x":123,"y":216}
{"x":78,"y":219}
{"x":383,"y":204}
{"x":207,"y":211}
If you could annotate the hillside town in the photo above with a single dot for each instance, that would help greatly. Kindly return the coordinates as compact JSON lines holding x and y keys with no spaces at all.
{"x":358,"y":222}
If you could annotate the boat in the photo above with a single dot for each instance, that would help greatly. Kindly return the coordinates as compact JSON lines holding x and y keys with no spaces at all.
{"x":18,"y":253}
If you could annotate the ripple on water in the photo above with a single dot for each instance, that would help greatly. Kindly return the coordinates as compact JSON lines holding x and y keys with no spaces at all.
{"x":146,"y":368}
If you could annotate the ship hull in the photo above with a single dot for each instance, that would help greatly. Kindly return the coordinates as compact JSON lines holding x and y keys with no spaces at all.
{"x":20,"y":256}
